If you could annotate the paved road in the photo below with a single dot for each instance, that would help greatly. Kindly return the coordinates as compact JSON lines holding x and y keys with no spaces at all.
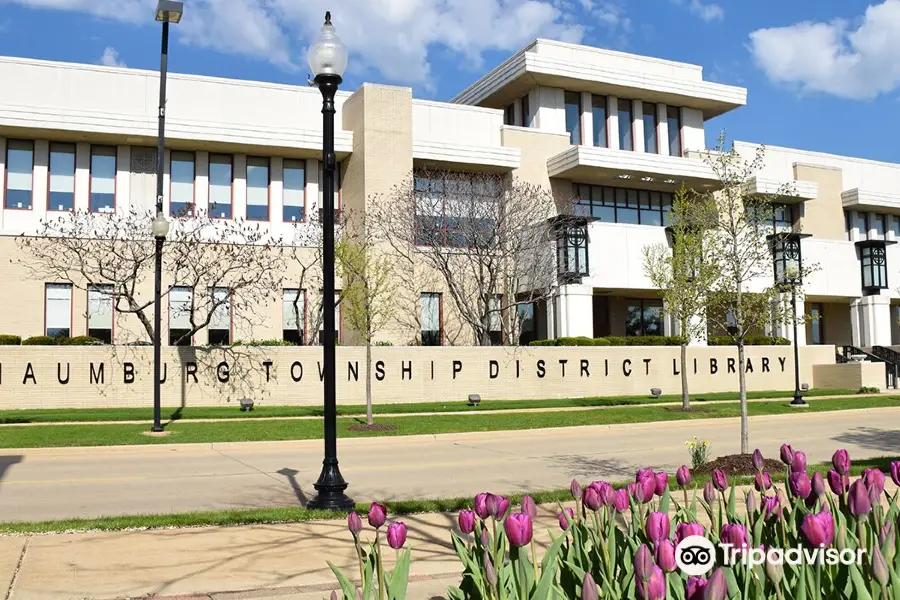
{"x":91,"y":482}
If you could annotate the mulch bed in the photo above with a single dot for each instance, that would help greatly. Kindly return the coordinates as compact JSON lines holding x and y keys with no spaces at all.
{"x":374,"y":427}
{"x":738,"y":464}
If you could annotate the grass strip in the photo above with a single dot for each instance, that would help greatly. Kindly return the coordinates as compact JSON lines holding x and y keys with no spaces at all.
{"x":93,"y":415}
{"x":260,"y":516}
{"x":52,"y":436}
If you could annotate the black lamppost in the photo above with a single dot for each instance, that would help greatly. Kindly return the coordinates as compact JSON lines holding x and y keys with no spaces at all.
{"x":327,"y":60}
{"x":167,"y":11}
{"x":788,"y":263}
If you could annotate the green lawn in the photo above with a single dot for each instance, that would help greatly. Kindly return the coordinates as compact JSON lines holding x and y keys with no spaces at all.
{"x":256,"y":430}
{"x":232,"y":412}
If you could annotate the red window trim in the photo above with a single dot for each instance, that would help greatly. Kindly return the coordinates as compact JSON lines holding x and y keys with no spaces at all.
{"x":50,"y":170}
{"x":268,"y":189}
{"x":169,"y":312}
{"x":231,"y":186}
{"x":440,"y":297}
{"x":71,"y":305}
{"x":6,"y":174}
{"x":302,"y":162}
{"x":115,"y":155}
{"x":87,"y":320}
{"x":193,"y":154}
{"x":212,"y":290}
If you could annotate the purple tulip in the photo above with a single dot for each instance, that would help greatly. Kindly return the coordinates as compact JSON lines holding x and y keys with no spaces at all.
{"x":621,"y":502}
{"x":759,"y":463}
{"x":762,"y":481}
{"x":818,"y":528}
{"x":771,"y":506}
{"x":860,"y":504}
{"x":644,"y":474}
{"x":879,"y":567}
{"x":566,"y":517}
{"x":798,"y":464}
{"x":875,"y":481}
{"x":603,"y":491}
{"x":841,"y":461}
{"x":485,"y":537}
{"x":887,"y":537}
{"x":800,"y":485}
{"x":683,"y":476}
{"x":719,"y":479}
{"x":588,"y":587}
{"x":497,"y":506}
{"x":490,"y":573}
{"x":396,"y":535}
{"x":751,"y":502}
{"x":575,"y":489}
{"x":658,"y":527}
{"x":694,"y":588}
{"x":654,"y":588}
{"x":662,"y":482}
{"x":481,"y":505}
{"x":645,"y":488}
{"x":683,"y":530}
{"x":734,"y":534}
{"x":529,"y":507}
{"x":818,"y":484}
{"x":837,"y":482}
{"x":709,"y":492}
{"x":377,"y":514}
{"x":787,"y":454}
{"x":665,"y":556}
{"x":354,"y":523}
{"x":591,"y":498}
{"x":466,"y":521}
{"x":643,"y":563}
{"x":334,"y":595}
{"x":895,"y":472}
{"x":716,"y":587}
{"x":518,"y":528}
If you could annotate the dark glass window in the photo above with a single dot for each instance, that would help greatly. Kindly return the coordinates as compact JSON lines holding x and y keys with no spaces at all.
{"x":19,"y":173}
{"x":643,"y":317}
{"x":626,"y":134}
{"x":649,"y":116}
{"x":527,"y":324}
{"x":430,"y":319}
{"x":673,"y":122}
{"x":61,"y":195}
{"x":862,"y":224}
{"x":103,"y":180}
{"x":181,"y":300}
{"x":816,"y":326}
{"x":623,"y":205}
{"x":526,"y":112}
{"x":598,"y":111}
{"x":509,"y":114}
{"x":573,"y":116}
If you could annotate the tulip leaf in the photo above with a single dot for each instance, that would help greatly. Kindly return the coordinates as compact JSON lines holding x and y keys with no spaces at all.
{"x":732,"y":504}
{"x":664,"y":502}
{"x":397,"y":581}
{"x":347,"y":587}
{"x":859,"y":584}
{"x":454,"y":593}
{"x":548,"y":576}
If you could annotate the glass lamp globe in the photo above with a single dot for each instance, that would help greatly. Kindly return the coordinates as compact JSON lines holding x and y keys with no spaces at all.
{"x":327,"y":55}
{"x":160,"y":226}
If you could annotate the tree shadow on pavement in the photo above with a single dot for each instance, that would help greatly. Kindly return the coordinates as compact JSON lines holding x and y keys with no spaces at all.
{"x":882,"y":440}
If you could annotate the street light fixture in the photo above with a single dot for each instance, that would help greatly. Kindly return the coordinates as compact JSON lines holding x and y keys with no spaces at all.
{"x":167,"y":11}
{"x":788,"y":264}
{"x":327,"y":60}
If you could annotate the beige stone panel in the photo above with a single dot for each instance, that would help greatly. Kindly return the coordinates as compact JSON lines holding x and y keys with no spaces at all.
{"x":849,"y":376}
{"x":31,"y":377}
{"x":822,"y":216}
{"x":537,"y":146}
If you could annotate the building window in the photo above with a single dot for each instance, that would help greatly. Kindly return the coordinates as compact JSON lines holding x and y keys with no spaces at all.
{"x":816,"y":326}
{"x":526,"y":112}
{"x":61,"y":194}
{"x":457,"y":210}
{"x":181,"y":301}
{"x":877,"y":226}
{"x":573,"y":116}
{"x":643,"y":317}
{"x":257,"y":189}
{"x":337,"y":319}
{"x":873,"y":262}
{"x":509,"y":114}
{"x":294,"y":177}
{"x":19,"y":174}
{"x":293,"y":316}
{"x":337,"y":191}
{"x":622,"y":205}
{"x":103,"y":179}
{"x":495,"y":331}
{"x":58,"y":310}
{"x":220,"y":180}
{"x":181,"y":184}
{"x":527,"y":324}
{"x":848,"y":225}
{"x":782,"y":218}
{"x":220,"y":323}
{"x":649,"y":117}
{"x":430,"y":305}
{"x":626,"y":135}
{"x":895,"y":227}
{"x":862,"y":224}
{"x":673,"y":121}
{"x":100,"y":312}
{"x":598,"y":112}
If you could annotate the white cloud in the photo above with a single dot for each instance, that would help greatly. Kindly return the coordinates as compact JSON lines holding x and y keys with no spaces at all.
{"x":110,"y":58}
{"x":833,"y":57}
{"x":706,"y":12}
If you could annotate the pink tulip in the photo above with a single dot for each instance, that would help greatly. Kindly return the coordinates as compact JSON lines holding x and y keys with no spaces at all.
{"x":837,"y":482}
{"x":683,"y":476}
{"x":575,"y":489}
{"x":566,"y":518}
{"x":800,"y":485}
{"x":644,"y":473}
{"x":591,"y":498}
{"x":787,"y":454}
{"x":466,"y":521}
{"x":621,"y":502}
{"x":497,"y":506}
{"x":818,"y":529}
{"x":818,"y":484}
{"x":396,"y":535}
{"x":841,"y":461}
{"x":709,"y":492}
{"x":603,"y":489}
{"x":798,"y":463}
{"x":762,"y":481}
{"x":772,"y":506}
{"x":694,"y":588}
{"x":377,"y":514}
{"x":662,"y":482}
{"x":759,"y":463}
{"x":529,"y":507}
{"x":683,"y":530}
{"x":518,"y":528}
{"x":643,"y":563}
{"x":734,"y":534}
{"x":588,"y":587}
{"x":665,"y":555}
{"x":860,"y":504}
{"x":354,"y":523}
{"x":875,"y":481}
{"x":654,"y":588}
{"x":716,"y":586}
{"x":657,"y":526}
{"x":481,"y":505}
{"x":719,"y":479}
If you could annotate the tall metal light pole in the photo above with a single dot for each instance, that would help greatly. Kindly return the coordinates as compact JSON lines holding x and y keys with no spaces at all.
{"x":327,"y":60}
{"x":798,"y":397}
{"x":788,"y":263}
{"x":167,"y":11}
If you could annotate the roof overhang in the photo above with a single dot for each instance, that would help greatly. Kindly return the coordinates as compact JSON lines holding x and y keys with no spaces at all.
{"x":490,"y":158}
{"x":868,"y":200}
{"x":788,"y":192}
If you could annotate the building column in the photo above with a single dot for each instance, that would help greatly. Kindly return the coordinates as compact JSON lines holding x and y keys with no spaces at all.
{"x":576,"y":311}
{"x":612,"y":122}
{"x":870,"y":319}
{"x":800,"y":307}
{"x":587,"y":119}
{"x":637,"y":125}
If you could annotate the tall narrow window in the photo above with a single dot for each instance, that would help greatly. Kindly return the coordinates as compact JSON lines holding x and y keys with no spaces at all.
{"x":337,"y":319}
{"x":220,"y":322}
{"x":337,"y":190}
{"x":293,"y":316}
{"x":496,"y":322}
{"x":509,"y":114}
{"x":878,"y":226}
{"x":895,"y":227}
{"x":626,"y":135}
{"x":527,"y":324}
{"x":673,"y":121}
{"x":862,"y":224}
{"x":19,"y":173}
{"x":573,"y":116}
{"x":181,"y":301}
{"x":816,"y":326}
{"x":103,"y":179}
{"x":294,"y":191}
{"x":181,"y":184}
{"x":61,"y":195}
{"x":783,"y":218}
{"x":598,"y":112}
{"x":430,"y":319}
{"x":220,"y":180}
{"x":526,"y":112}
{"x":649,"y":117}
{"x":257,"y":189}
{"x":100,"y":312}
{"x":58,"y":309}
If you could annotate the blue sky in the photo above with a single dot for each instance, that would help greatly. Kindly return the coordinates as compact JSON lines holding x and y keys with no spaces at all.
{"x":821,"y":74}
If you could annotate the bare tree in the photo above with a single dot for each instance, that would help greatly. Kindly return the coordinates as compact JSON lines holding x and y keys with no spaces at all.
{"x":486,"y":236}
{"x":225,"y":263}
{"x":684,"y":274}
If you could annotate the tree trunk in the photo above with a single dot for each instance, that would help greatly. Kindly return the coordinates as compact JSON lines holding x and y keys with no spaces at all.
{"x":369,"y":418}
{"x":685,"y":395}
{"x":742,"y":380}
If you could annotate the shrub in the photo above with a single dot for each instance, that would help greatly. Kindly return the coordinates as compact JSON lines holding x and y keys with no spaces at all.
{"x":275,"y":342}
{"x":575,"y":341}
{"x":40,"y":340}
{"x":617,"y":340}
{"x":80,"y":340}
{"x":868,"y":390}
{"x":384,"y":343}
{"x":601,"y":342}
{"x":750,"y":340}
{"x":10,"y":340}
{"x":544,"y":343}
